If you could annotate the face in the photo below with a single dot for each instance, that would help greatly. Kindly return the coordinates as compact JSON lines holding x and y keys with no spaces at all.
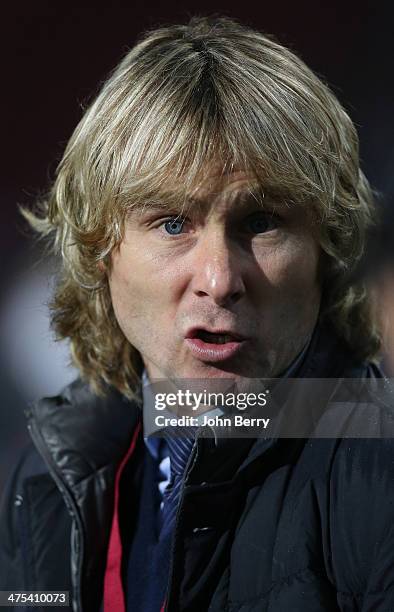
{"x":228,"y":290}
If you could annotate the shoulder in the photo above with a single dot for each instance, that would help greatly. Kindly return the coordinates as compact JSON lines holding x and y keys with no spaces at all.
{"x":29,"y":469}
{"x":361,"y":515}
{"x":34,"y":526}
{"x":362,"y":464}
{"x":29,"y":465}
{"x":361,"y":467}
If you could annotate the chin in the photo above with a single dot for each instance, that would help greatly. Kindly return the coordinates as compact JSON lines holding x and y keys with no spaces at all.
{"x":210,"y":372}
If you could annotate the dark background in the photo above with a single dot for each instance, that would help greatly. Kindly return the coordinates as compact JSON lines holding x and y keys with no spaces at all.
{"x":55,"y":54}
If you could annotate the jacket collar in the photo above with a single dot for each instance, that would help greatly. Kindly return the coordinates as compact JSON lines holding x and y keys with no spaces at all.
{"x":84,"y":432}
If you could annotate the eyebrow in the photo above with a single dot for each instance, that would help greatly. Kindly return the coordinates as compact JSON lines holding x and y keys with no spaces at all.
{"x":171,"y":202}
{"x":149,"y":207}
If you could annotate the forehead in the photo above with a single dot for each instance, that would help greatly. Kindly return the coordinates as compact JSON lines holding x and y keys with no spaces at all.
{"x":214,"y":191}
{"x":221,"y":192}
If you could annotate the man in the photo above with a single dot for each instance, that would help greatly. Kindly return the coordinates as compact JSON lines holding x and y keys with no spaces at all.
{"x":209,"y":210}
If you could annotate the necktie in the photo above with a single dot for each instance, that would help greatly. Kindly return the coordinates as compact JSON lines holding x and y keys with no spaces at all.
{"x":179,"y":452}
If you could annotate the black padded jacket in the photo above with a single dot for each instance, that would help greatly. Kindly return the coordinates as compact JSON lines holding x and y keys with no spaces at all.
{"x":265,"y":525}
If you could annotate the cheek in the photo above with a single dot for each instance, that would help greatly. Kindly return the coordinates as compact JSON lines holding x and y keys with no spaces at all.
{"x":290,"y":300}
{"x":302,"y":268}
{"x":292,"y":266}
{"x":131,"y":271}
{"x":126,"y":287}
{"x":140,"y":286}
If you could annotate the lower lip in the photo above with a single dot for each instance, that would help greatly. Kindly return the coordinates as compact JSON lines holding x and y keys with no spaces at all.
{"x":207,"y":351}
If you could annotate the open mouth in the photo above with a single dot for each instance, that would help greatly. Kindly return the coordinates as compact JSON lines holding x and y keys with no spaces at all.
{"x":214,"y":338}
{"x":215,"y":345}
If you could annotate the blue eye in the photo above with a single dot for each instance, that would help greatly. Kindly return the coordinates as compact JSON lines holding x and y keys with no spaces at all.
{"x":174,"y":226}
{"x":260,"y":222}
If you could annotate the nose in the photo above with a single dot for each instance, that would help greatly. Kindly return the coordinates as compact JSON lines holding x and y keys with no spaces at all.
{"x":218,"y":270}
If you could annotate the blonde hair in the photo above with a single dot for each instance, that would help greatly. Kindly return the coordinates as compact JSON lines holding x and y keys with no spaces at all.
{"x":184,"y":98}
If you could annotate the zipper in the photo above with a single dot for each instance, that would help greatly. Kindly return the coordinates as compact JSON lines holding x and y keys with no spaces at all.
{"x":191,"y":460}
{"x":77,"y":530}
